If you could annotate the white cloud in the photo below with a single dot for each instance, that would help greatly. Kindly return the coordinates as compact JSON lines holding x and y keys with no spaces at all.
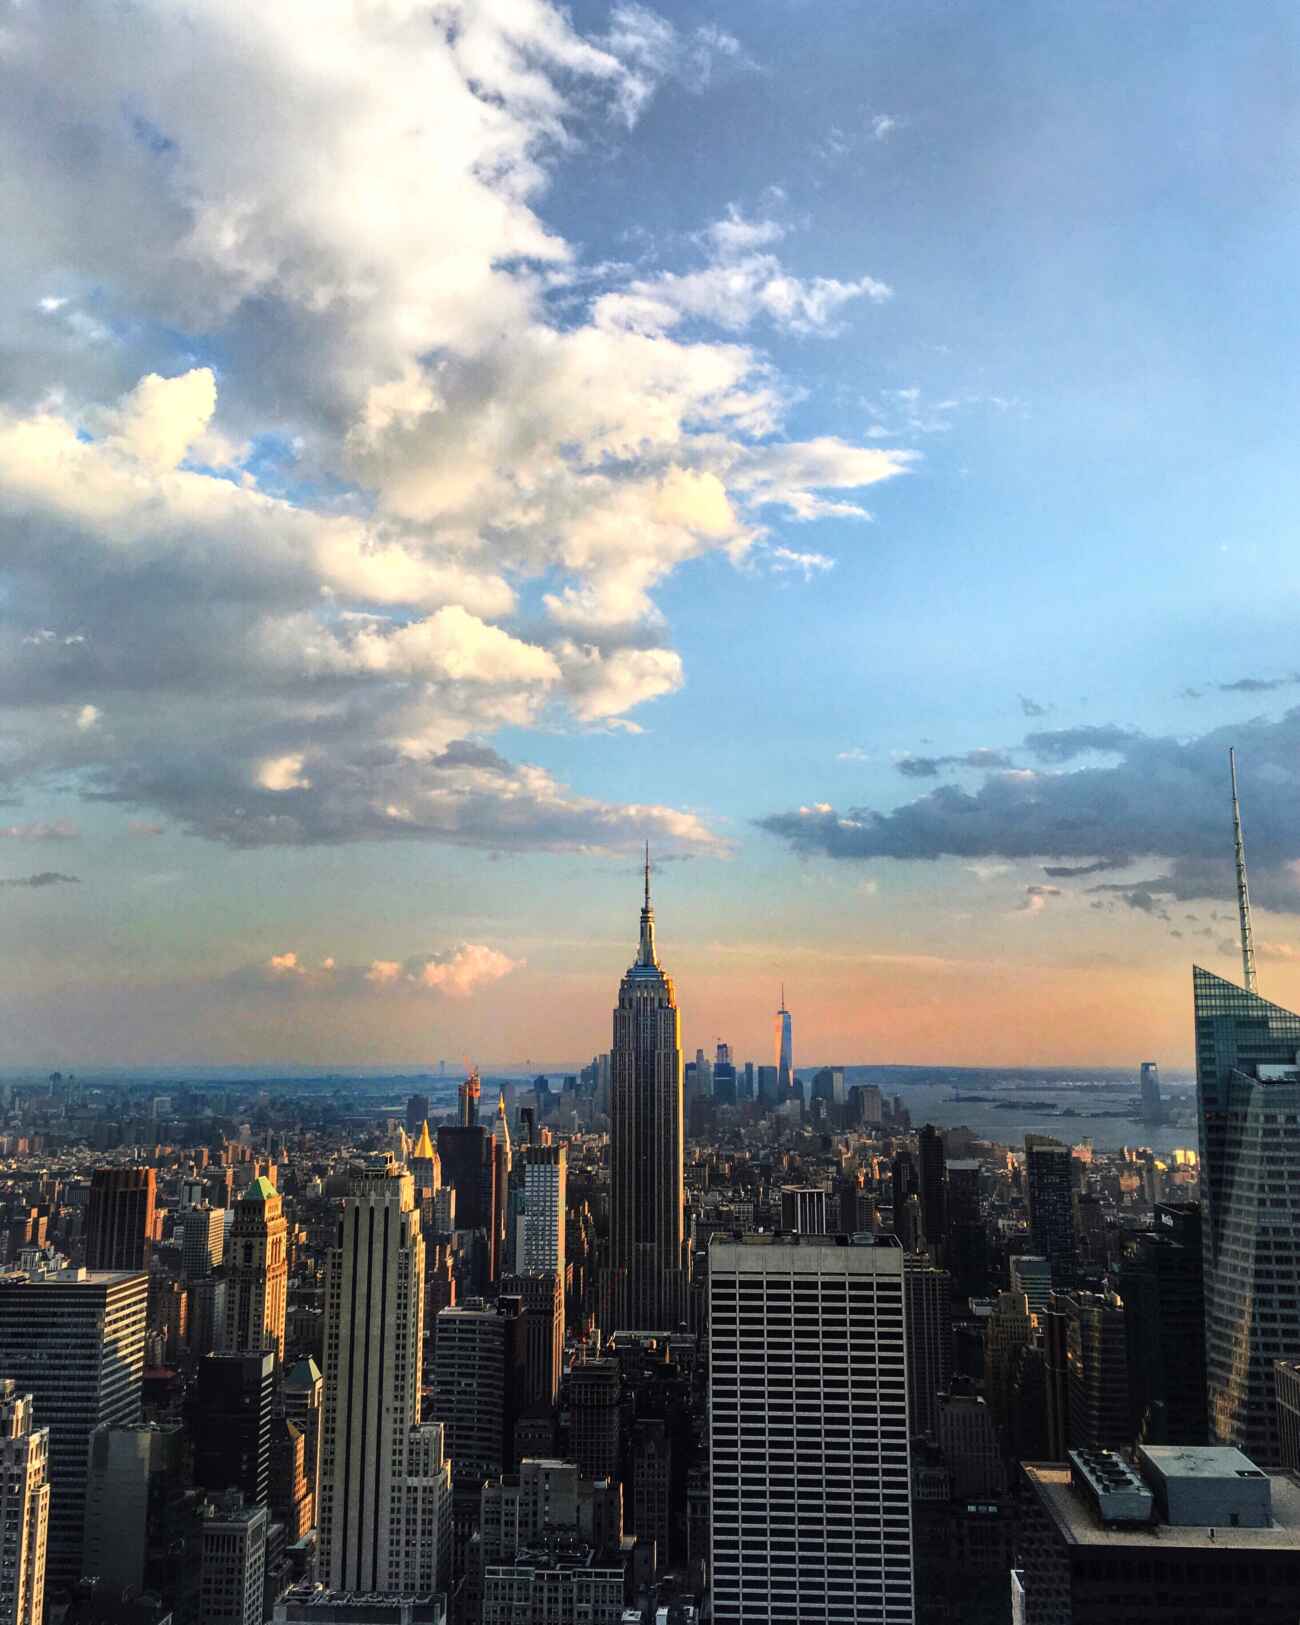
{"x":88,"y":717}
{"x":785,"y":560}
{"x":281,"y":773}
{"x":883,"y":126}
{"x":457,"y":973}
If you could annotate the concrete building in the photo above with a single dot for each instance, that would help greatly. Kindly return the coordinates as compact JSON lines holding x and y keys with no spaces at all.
{"x":24,"y":1509}
{"x":593,"y":1389}
{"x":74,"y":1339}
{"x":1192,"y":1534}
{"x":1248,"y":1106}
{"x":427,"y":1509}
{"x":233,"y":1566}
{"x":257,"y":1273}
{"x":546,"y":1184}
{"x":479,"y":1358}
{"x":203,"y":1243}
{"x":134,"y":1476}
{"x":799,"y":1531}
{"x":301,"y":1400}
{"x":1008,"y":1328}
{"x":119,"y":1219}
{"x":543,"y":1303}
{"x":557,"y":1581}
{"x":968,"y":1437}
{"x":649,"y":1265}
{"x":1286,"y":1380}
{"x":374,"y":1315}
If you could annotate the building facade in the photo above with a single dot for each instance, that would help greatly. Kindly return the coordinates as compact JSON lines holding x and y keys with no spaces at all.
{"x":257,"y":1273}
{"x":24,"y":1509}
{"x":648,"y":1256}
{"x":808,"y":1378}
{"x":119,"y":1219}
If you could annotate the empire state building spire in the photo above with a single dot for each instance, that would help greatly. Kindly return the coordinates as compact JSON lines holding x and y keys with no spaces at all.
{"x":648,"y":1258}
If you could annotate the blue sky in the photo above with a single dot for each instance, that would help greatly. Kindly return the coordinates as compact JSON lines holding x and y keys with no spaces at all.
{"x":421,"y":488}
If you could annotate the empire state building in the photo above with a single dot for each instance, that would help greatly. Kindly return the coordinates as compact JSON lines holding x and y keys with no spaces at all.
{"x":648,"y":1254}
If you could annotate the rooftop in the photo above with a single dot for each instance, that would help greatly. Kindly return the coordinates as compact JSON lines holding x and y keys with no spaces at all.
{"x":1201,"y":1461}
{"x":1079,"y":1526}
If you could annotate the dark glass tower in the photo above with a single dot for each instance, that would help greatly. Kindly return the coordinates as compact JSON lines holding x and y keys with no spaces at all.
{"x":119,"y":1219}
{"x":1162,"y":1285}
{"x":1248,"y":1106}
{"x":648,"y":1253}
{"x":1048,"y":1184}
{"x":934,"y":1193}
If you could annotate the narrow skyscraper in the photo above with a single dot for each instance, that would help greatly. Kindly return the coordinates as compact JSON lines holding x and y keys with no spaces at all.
{"x":24,"y":1508}
{"x":257,"y":1273}
{"x":648,"y":1251}
{"x":784,"y":1050}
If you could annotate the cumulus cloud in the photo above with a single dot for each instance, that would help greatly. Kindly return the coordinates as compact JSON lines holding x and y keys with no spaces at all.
{"x":290,"y":644}
{"x":1162,"y":799}
{"x":457,"y":973}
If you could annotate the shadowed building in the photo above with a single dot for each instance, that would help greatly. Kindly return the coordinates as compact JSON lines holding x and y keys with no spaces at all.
{"x":119,"y":1219}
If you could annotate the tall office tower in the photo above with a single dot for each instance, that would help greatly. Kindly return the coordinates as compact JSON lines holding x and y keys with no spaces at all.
{"x":233,"y":1564}
{"x":1248,"y":1103}
{"x":594,"y":1391}
{"x":374,"y":1332}
{"x":301,"y":1399}
{"x":502,"y":1154}
{"x":468,"y":1158}
{"x":968,"y":1436}
{"x":651,"y":1486}
{"x":479,"y":1356}
{"x":929,"y":1340}
{"x":427,"y":1509}
{"x":546,"y":1185}
{"x":828,"y":1085}
{"x":800,"y":1532}
{"x":119,"y":1219}
{"x":426,"y":1170}
{"x":1286,"y":1380}
{"x":933,"y":1192}
{"x":968,"y":1242}
{"x":203,"y":1243}
{"x":1162,"y":1285}
{"x":24,"y":1509}
{"x":768,"y":1091}
{"x":648,"y":1255}
{"x":230,"y":1411}
{"x":1005,"y":1330}
{"x":134,"y":1489}
{"x":207,"y":1313}
{"x":467,"y":1096}
{"x":543,"y":1304}
{"x":1033,"y":1277}
{"x":784,"y":1050}
{"x":1097,"y":1364}
{"x":806,"y":1210}
{"x":1153,"y":1110}
{"x":903,"y":1181}
{"x":74,"y":1340}
{"x":417,"y":1113}
{"x":257,"y":1272}
{"x":1048,"y":1184}
{"x":1054,"y":1330}
{"x":290,"y":1498}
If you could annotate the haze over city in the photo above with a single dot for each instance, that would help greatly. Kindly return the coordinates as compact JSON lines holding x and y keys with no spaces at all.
{"x":443,"y":447}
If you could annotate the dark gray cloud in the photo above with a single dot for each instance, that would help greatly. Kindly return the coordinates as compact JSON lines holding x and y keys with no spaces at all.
{"x":1165,"y":799}
{"x":1031,"y":708}
{"x":1257,"y":685}
{"x":1066,"y":871}
{"x":930,"y":767}
{"x":47,"y":877}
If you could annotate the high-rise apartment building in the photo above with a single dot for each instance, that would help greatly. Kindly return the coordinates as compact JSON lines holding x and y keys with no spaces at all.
{"x":801,"y":1531}
{"x":546,"y":1183}
{"x":648,"y":1255}
{"x":1248,"y":1104}
{"x":74,"y":1339}
{"x":119,"y":1219}
{"x":257,"y":1272}
{"x":1049,"y":1188}
{"x":374,"y":1327}
{"x":203,"y":1243}
{"x":24,"y":1509}
{"x":479,"y":1356}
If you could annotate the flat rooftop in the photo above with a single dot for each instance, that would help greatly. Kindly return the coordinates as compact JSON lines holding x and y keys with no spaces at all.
{"x":1079,"y":1525}
{"x":1201,"y":1461}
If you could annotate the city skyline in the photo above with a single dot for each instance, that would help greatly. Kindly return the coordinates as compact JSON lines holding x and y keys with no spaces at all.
{"x":871,"y":513}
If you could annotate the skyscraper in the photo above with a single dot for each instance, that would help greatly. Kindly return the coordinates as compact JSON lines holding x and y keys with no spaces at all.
{"x":784,"y":1050}
{"x":374,"y":1326}
{"x":257,"y":1272}
{"x":647,"y":1248}
{"x":230,"y":1424}
{"x":928,"y":1319}
{"x":934,"y":1192}
{"x":24,"y":1509}
{"x":801,"y":1530}
{"x":1248,"y":1104}
{"x":119,"y":1219}
{"x":1153,"y":1110}
{"x":1048,"y":1183}
{"x":1162,"y":1284}
{"x":74,"y":1339}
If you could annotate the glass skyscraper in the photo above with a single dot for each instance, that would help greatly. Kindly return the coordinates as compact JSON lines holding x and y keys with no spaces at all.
{"x":1248,"y":1107}
{"x":784,"y":1051}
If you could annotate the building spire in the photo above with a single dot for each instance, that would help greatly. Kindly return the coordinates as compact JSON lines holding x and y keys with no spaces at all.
{"x":1243,"y":890}
{"x":646,"y":956}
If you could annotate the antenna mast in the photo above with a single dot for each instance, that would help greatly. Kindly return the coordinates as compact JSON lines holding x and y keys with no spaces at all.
{"x":1243,"y":890}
